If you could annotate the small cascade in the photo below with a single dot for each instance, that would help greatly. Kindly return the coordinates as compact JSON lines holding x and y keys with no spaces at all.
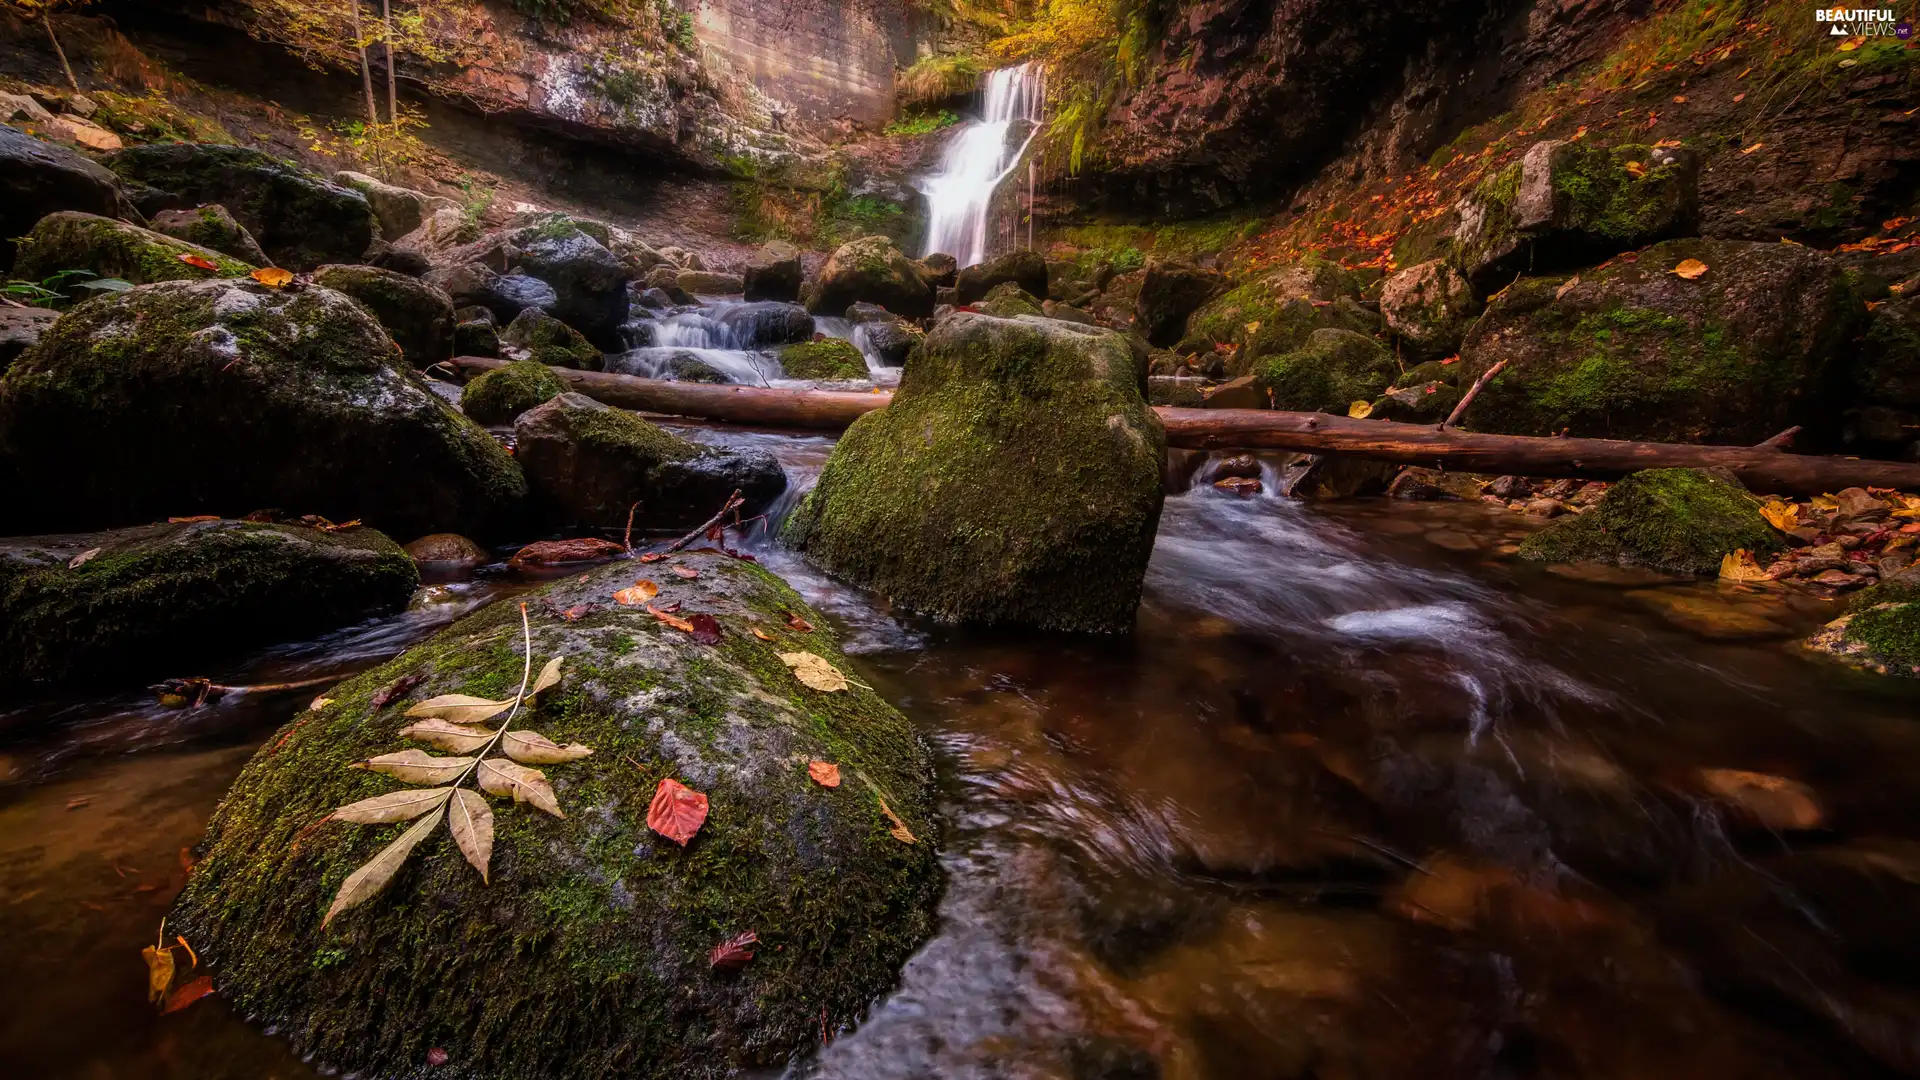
{"x":960,"y":192}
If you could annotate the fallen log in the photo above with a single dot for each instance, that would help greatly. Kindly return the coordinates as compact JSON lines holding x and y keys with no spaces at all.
{"x":1764,"y":468}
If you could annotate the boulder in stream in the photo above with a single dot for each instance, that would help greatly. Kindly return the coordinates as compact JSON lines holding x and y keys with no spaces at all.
{"x":1683,"y":520}
{"x":1024,"y":268}
{"x":710,"y":283}
{"x":1329,"y":372}
{"x":589,"y":282}
{"x":590,"y":948}
{"x":211,"y":226}
{"x":38,"y":178}
{"x":1015,"y":479}
{"x":501,"y":395}
{"x":417,"y":316}
{"x":773,"y":272}
{"x":118,"y":606}
{"x":225,"y":396}
{"x":535,"y":335}
{"x":870,"y":269}
{"x":115,"y":249}
{"x":826,"y":359}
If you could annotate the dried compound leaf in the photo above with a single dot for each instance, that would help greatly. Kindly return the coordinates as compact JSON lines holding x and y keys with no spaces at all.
{"x":677,"y":811}
{"x":453,"y":738}
{"x":641,"y":592}
{"x":460,"y":708}
{"x":416,"y":766}
{"x":471,"y":820}
{"x":159,"y":971}
{"x":505,"y":778}
{"x":824,"y":773}
{"x":549,"y":677}
{"x":814,"y":670}
{"x":365,"y":883}
{"x":533,"y":748}
{"x":1690,"y":269}
{"x":899,"y":831}
{"x":391,"y":807}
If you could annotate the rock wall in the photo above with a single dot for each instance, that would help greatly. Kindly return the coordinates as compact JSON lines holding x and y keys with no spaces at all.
{"x":824,"y":58}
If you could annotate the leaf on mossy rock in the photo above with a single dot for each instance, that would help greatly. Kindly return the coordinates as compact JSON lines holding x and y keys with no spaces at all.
{"x":670,"y":619}
{"x":272,"y":276}
{"x":548,"y":678}
{"x":762,"y":634}
{"x":365,"y":883}
{"x":795,"y":622}
{"x":159,"y":971}
{"x":1781,"y":514}
{"x":899,"y":831}
{"x":733,"y":953}
{"x":453,"y":738}
{"x":195,"y":260}
{"x":461,"y":708}
{"x":824,"y":773}
{"x":416,"y":766}
{"x":815,"y":671}
{"x":391,"y":807}
{"x":397,"y":689}
{"x":677,"y":811}
{"x":533,"y":748}
{"x":641,"y":592}
{"x":506,"y":778}
{"x":686,"y":572}
{"x":706,"y":629}
{"x":82,"y":559}
{"x":471,"y":820}
{"x":1690,"y":269}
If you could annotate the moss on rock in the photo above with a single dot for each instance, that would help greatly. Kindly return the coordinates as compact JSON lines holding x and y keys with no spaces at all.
{"x":416,"y":315}
{"x":1277,"y":313}
{"x":826,"y":359}
{"x":543,"y":339}
{"x":1014,"y":479}
{"x":1328,"y":373}
{"x":587,"y":955}
{"x":1683,"y":520}
{"x":500,"y":395}
{"x":1007,"y":300}
{"x":114,"y":249}
{"x":211,"y":227}
{"x":164,"y":599}
{"x":873,"y":271}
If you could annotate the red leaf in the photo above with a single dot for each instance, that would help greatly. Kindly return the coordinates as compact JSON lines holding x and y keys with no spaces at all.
{"x":824,"y":773}
{"x":706,"y":629}
{"x":436,"y":1057}
{"x":205,"y":264}
{"x":733,"y":953}
{"x":397,"y":690}
{"x":677,"y":811}
{"x":717,"y":533}
{"x":652,"y":556}
{"x":579,"y":611}
{"x":188,"y":994}
{"x":795,"y":622}
{"x":687,"y":572}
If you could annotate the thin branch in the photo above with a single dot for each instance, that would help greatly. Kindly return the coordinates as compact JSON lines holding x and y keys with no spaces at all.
{"x":734,"y":502}
{"x":1780,"y":441}
{"x":47,"y":17}
{"x":1472,"y":391}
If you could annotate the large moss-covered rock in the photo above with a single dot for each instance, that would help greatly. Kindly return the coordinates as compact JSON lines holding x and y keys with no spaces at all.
{"x":166,"y":599}
{"x":870,"y":269}
{"x":1429,"y":307}
{"x":1014,"y":479}
{"x":505,"y":296}
{"x":537,"y":336}
{"x":773,"y":272}
{"x":37,"y":179}
{"x":1683,"y":520}
{"x":301,"y":220}
{"x":828,"y":358}
{"x":115,"y":249}
{"x":1884,"y":395}
{"x":1024,"y":268}
{"x":1330,"y":371}
{"x":1170,"y":292}
{"x":1007,"y":300}
{"x":211,"y":227}
{"x":1634,"y":351}
{"x":399,"y":210}
{"x":417,"y":316}
{"x":194,"y":397}
{"x":501,"y":395}
{"x":589,"y":281}
{"x":589,"y":463}
{"x":1880,"y":632}
{"x":1276,"y":313}
{"x":587,"y":954}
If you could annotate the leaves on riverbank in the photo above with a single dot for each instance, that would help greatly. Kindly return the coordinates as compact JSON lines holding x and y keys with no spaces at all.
{"x":733,"y":953}
{"x":815,"y":671}
{"x":824,"y":773}
{"x":1781,"y":514}
{"x":641,"y":592}
{"x":1741,"y":566}
{"x":159,"y":970}
{"x":677,"y":811}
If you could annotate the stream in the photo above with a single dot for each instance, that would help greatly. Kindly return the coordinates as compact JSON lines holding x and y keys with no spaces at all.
{"x":1359,"y":798}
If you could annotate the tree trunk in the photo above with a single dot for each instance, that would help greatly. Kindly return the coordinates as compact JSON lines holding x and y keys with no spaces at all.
{"x":47,"y":17}
{"x":366,"y":72}
{"x":1764,"y":468}
{"x":386,"y":19}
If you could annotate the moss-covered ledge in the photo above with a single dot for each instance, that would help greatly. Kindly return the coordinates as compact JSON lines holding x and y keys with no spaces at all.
{"x":588,"y":953}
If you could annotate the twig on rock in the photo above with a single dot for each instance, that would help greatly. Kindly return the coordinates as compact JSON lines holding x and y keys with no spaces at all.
{"x":1466,"y":399}
{"x":734,"y":502}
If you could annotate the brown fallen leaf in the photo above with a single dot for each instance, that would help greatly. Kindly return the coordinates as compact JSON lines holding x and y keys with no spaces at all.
{"x":159,"y":970}
{"x":393,"y":806}
{"x":672,"y":608}
{"x":189,"y":994}
{"x":397,"y":689}
{"x":447,"y":735}
{"x":471,"y":820}
{"x":1690,"y":269}
{"x":557,"y":552}
{"x":191,"y":259}
{"x":677,"y":811}
{"x":670,"y":619}
{"x":687,"y":572}
{"x":82,"y":559}
{"x":639,"y":593}
{"x":365,"y":883}
{"x":706,"y":629}
{"x":416,"y":767}
{"x":824,"y":773}
{"x":498,"y":777}
{"x":436,"y":1057}
{"x":652,"y":556}
{"x":762,"y":634}
{"x":272,"y":276}
{"x":460,"y":708}
{"x":533,"y":748}
{"x":1751,"y":149}
{"x":733,"y":953}
{"x":579,"y":611}
{"x":795,"y":622}
{"x":1739,"y":565}
{"x":899,"y":831}
{"x":815,"y":670}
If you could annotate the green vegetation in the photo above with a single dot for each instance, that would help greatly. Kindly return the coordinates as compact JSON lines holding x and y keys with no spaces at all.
{"x":1683,"y":520}
{"x":500,"y":395}
{"x":830,"y":358}
{"x":1091,"y":50}
{"x":923,"y":123}
{"x":933,"y":80}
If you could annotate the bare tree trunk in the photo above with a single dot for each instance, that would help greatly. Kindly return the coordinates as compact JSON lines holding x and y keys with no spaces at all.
{"x":386,"y":19}
{"x":47,"y":17}
{"x":366,"y":73}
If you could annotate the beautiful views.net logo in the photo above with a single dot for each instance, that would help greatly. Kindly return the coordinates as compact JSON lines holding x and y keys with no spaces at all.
{"x":1864,"y":22}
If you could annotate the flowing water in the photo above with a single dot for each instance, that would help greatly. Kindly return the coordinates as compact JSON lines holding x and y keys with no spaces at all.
{"x":736,"y":341}
{"x":976,"y":159}
{"x":1357,"y":799}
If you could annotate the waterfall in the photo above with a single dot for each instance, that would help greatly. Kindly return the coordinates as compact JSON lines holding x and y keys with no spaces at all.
{"x":960,"y":192}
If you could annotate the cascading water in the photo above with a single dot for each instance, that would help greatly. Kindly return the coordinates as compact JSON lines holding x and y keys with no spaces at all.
{"x":960,"y":193}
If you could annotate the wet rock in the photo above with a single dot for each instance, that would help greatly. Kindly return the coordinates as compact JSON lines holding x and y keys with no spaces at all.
{"x":1047,"y":524}
{"x":1706,"y":614}
{"x":505,"y":295}
{"x":828,"y":358}
{"x":654,"y":299}
{"x":115,"y":249}
{"x":1770,"y":802}
{"x":589,"y":282}
{"x":891,"y":342}
{"x":773,"y":273}
{"x":1429,"y":307}
{"x":1884,"y":388}
{"x":211,"y":227}
{"x":1007,"y":300}
{"x":20,"y":330}
{"x":1624,"y":577}
{"x":300,"y":220}
{"x":665,"y":279}
{"x":1634,"y":351}
{"x":163,"y":599}
{"x":1241,"y":393}
{"x":399,"y":210}
{"x":1023,"y":268}
{"x":1332,"y":476}
{"x":803,"y":865}
{"x":1330,"y":371}
{"x":764,"y":324}
{"x":1856,"y":505}
{"x":1567,"y":204}
{"x":248,"y":397}
{"x":1428,"y":484}
{"x":708,"y":283}
{"x":674,"y":365}
{"x":417,"y":316}
{"x":1176,"y":392}
{"x":445,"y":552}
{"x":1510,"y":487}
{"x":588,"y":463}
{"x":1171,"y":291}
{"x":940,"y":270}
{"x":37,"y":179}
{"x":438,"y":240}
{"x":476,"y":338}
{"x":1881,"y":632}
{"x":1276,"y":313}
{"x":1683,"y":520}
{"x":870,"y":269}
{"x":18,"y":107}
{"x":501,"y":395}
{"x":1546,"y":508}
{"x":537,"y":336}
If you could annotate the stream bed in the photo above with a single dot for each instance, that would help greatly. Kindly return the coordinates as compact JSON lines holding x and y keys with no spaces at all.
{"x":1359,"y":798}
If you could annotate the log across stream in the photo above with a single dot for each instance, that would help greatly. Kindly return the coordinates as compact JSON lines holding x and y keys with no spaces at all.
{"x":1765,"y":468}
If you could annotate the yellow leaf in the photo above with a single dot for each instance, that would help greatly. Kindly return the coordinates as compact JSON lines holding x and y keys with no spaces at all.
{"x":762,"y":634}
{"x":641,"y":592}
{"x":1360,"y":410}
{"x":471,"y":820}
{"x":272,"y":276}
{"x":526,"y":785}
{"x":1691,"y":269}
{"x":1636,"y":169}
{"x":365,"y":883}
{"x":1781,"y":514}
{"x":453,"y":738}
{"x":159,"y":971}
{"x":319,"y":703}
{"x":1851,"y":44}
{"x":1751,"y":149}
{"x":533,"y":748}
{"x":1740,"y":566}
{"x":1253,"y":327}
{"x":814,"y":670}
{"x":393,"y":806}
{"x":416,"y":767}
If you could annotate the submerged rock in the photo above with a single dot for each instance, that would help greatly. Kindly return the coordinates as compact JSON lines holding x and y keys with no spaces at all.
{"x":300,"y":220}
{"x":37,"y":179}
{"x":1015,"y":479}
{"x":226,"y":396}
{"x":211,"y":227}
{"x":588,"y":463}
{"x":773,"y":273}
{"x":1023,"y":268}
{"x":870,"y":269}
{"x":1881,"y":632}
{"x":588,"y":952}
{"x":417,"y":316}
{"x":115,"y":249}
{"x":537,"y":336}
{"x":501,"y":395}
{"x":828,"y":358}
{"x":167,"y":599}
{"x":589,"y":282}
{"x":1684,"y":520}
{"x":1329,"y":372}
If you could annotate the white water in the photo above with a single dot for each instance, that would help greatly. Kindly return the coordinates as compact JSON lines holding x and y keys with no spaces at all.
{"x":974,"y":163}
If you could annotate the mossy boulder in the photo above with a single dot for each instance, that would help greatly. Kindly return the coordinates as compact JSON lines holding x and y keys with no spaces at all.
{"x":476,"y":337}
{"x":399,"y":210}
{"x":114,"y":249}
{"x":1330,"y":371}
{"x":1634,"y":351}
{"x":1682,"y":520}
{"x":1416,"y":402}
{"x":211,"y":227}
{"x":1883,"y":396}
{"x":534,"y":335}
{"x":1276,"y":314}
{"x":1013,"y":480}
{"x":587,"y":954}
{"x":501,"y":395}
{"x":1566,"y":204}
{"x":1026,"y":269}
{"x":870,"y":269}
{"x":1007,"y":300}
{"x":38,"y":178}
{"x":1429,"y":307}
{"x":1881,"y":631}
{"x":826,"y":359}
{"x":1171,"y":291}
{"x":301,"y":220}
{"x":773,"y":273}
{"x":167,"y":599}
{"x":192,"y":397}
{"x":589,"y":281}
{"x":589,"y":463}
{"x":417,"y":316}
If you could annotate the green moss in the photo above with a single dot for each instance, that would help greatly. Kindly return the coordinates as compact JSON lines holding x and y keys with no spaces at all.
{"x":1276,"y":314}
{"x":500,"y":395}
{"x":1682,"y":520}
{"x":616,"y":430}
{"x":828,"y":358}
{"x":547,"y":340}
{"x":1007,"y":300}
{"x":1332,"y":370}
{"x":1606,"y":198}
{"x":1890,"y":631}
{"x":74,"y":241}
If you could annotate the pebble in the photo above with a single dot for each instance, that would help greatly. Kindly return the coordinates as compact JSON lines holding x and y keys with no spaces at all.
{"x":1772,"y":802}
{"x":1452,"y":540}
